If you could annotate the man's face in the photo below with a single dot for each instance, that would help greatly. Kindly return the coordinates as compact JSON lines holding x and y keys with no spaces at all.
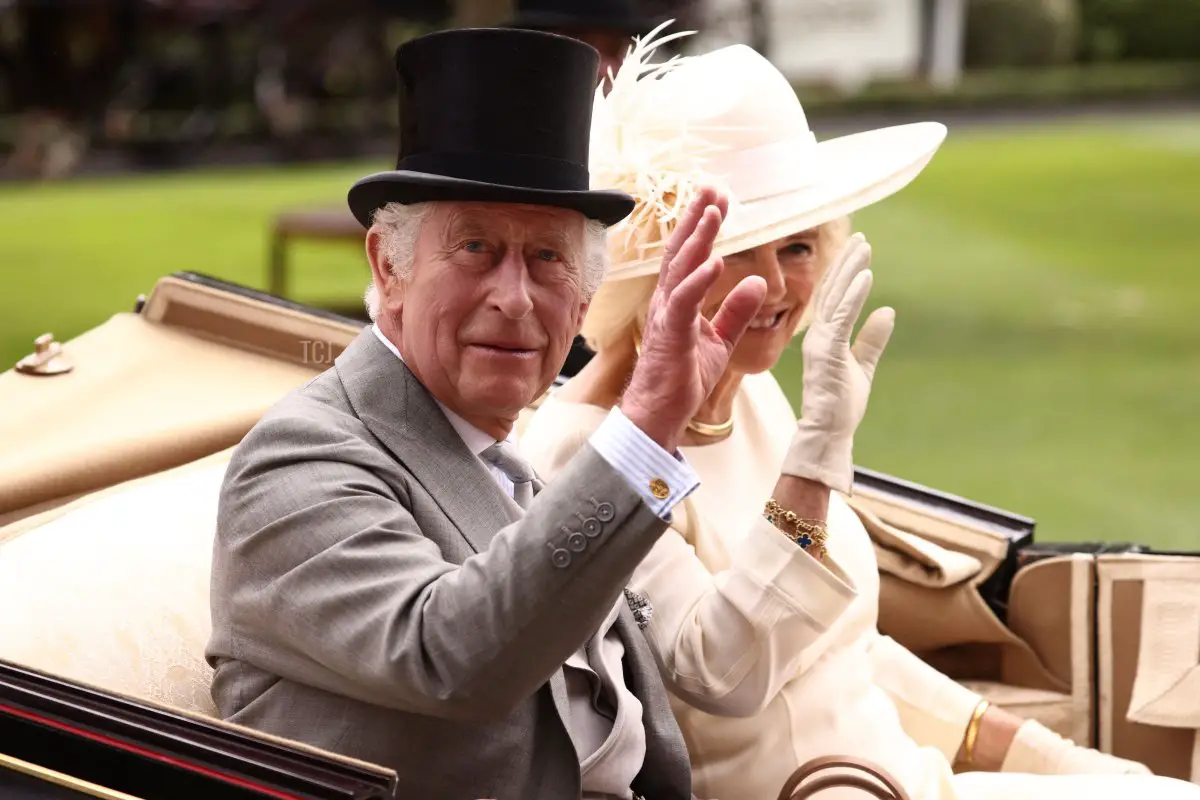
{"x":494,"y":300}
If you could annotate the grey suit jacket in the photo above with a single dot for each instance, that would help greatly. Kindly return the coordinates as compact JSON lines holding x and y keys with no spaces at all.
{"x":375,"y":593}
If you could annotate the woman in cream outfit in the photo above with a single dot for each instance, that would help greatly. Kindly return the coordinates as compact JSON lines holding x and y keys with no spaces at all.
{"x":770,"y":645}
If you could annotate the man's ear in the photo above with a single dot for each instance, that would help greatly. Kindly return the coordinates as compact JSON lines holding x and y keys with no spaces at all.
{"x":386,"y":282}
{"x":381,"y":270}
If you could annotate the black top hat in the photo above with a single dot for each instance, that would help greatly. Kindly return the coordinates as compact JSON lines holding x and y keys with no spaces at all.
{"x":620,"y":16}
{"x":496,"y":115}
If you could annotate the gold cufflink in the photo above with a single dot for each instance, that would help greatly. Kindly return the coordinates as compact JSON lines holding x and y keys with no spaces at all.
{"x":659,"y":488}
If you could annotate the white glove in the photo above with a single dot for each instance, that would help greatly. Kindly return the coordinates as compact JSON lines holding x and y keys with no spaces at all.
{"x":1037,"y":750}
{"x":837,"y":377}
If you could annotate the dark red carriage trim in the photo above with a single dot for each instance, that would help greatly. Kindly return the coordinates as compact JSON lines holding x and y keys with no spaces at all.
{"x":126,"y":730}
{"x":147,"y":753}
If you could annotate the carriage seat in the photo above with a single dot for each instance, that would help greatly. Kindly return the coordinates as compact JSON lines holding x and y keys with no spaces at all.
{"x":111,"y":590}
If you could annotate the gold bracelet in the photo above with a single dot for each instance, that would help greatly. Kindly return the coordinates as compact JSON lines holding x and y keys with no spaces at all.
{"x":809,"y":534}
{"x":973,"y":730}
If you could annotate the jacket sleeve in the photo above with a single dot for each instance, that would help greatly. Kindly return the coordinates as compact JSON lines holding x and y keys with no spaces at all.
{"x":726,"y":642}
{"x":934,"y":709}
{"x":322,"y":575}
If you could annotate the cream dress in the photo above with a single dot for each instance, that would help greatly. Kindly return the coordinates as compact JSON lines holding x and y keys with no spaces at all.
{"x":771,"y":657}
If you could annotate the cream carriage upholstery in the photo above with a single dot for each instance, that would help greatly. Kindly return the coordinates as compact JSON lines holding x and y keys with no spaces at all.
{"x":1103,"y":649}
{"x":111,"y":590}
{"x":185,"y":377}
{"x":1037,"y":663}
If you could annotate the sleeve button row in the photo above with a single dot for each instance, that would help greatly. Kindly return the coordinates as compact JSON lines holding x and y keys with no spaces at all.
{"x":577,"y":541}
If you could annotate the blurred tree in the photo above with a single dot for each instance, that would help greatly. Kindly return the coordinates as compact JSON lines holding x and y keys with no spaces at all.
{"x":1141,"y":29}
{"x":1022,"y":33}
{"x":760,"y":30}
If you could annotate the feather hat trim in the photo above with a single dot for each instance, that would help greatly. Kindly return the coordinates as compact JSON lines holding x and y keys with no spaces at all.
{"x":638,"y":146}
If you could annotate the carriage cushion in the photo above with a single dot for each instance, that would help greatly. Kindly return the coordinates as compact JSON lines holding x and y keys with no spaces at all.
{"x":112,"y":590}
{"x":1038,"y":665}
{"x":1148,"y":667}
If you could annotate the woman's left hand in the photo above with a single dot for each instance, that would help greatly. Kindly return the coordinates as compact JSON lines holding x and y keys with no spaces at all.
{"x":837,"y":375}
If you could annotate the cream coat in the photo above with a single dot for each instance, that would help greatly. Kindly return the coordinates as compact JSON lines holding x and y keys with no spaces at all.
{"x":786,"y":652}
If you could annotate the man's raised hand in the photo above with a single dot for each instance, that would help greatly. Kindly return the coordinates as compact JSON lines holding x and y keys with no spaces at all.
{"x":683,"y":353}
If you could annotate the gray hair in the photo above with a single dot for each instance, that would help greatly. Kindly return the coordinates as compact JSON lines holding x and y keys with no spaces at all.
{"x":399,"y":226}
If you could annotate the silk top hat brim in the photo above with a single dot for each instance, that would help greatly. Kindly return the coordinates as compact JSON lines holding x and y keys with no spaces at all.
{"x":406,"y":187}
{"x":493,"y":115}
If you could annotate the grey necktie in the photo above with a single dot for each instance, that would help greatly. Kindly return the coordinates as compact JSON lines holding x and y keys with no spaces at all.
{"x":504,"y":456}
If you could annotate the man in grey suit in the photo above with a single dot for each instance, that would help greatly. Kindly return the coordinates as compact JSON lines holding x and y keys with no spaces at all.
{"x":390,"y":581}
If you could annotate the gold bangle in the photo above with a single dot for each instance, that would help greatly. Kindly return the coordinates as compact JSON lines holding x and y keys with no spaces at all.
{"x":973,"y":730}
{"x":711,"y":431}
{"x":809,"y":534}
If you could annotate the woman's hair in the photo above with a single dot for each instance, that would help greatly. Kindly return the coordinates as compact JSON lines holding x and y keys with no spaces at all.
{"x":400,"y":225}
{"x":619,"y":308}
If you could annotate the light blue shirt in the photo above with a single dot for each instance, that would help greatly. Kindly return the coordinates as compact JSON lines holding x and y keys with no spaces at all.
{"x":633,"y":454}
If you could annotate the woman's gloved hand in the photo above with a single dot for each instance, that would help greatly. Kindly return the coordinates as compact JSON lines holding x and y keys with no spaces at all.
{"x":1038,"y":750}
{"x":837,"y":376}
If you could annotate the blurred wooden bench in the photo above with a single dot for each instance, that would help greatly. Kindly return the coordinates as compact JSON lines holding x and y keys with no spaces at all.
{"x":328,"y":223}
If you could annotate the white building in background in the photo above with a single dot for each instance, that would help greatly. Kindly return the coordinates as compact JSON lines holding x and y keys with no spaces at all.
{"x":846,"y":43}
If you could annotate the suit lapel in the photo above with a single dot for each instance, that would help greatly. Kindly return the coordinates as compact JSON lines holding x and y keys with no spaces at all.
{"x":401,"y":412}
{"x":666,"y":771}
{"x":403,"y":415}
{"x":637,"y":670}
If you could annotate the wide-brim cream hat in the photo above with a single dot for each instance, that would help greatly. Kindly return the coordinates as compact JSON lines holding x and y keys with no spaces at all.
{"x":729,"y":118}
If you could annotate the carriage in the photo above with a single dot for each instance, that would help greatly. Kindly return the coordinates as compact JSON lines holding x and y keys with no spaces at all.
{"x":124,"y":431}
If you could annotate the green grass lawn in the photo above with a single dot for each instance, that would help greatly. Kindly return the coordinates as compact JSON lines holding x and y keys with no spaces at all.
{"x":1046,"y":279}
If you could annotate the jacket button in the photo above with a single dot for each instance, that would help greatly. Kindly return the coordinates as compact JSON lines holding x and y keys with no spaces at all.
{"x":559,"y":557}
{"x":591,"y":527}
{"x":605,"y":512}
{"x":576,"y":542}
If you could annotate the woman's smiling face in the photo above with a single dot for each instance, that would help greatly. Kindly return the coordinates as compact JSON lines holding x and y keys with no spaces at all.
{"x":791,"y":266}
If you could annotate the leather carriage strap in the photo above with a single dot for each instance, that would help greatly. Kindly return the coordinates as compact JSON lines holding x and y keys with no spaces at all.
{"x":877,"y":782}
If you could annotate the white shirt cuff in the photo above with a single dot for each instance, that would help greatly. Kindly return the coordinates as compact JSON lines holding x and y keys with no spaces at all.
{"x":662,"y":479}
